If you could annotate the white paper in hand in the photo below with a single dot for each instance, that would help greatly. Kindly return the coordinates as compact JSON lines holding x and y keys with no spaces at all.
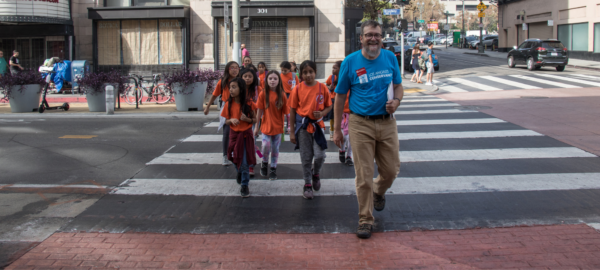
{"x":221,"y":119}
{"x":390,"y":94}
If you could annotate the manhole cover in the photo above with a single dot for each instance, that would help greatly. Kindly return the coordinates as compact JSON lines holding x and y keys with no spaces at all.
{"x":472,"y":108}
{"x":533,"y":97}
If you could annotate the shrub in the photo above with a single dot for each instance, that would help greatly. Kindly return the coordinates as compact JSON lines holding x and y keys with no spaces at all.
{"x":8,"y":81}
{"x":92,"y":83}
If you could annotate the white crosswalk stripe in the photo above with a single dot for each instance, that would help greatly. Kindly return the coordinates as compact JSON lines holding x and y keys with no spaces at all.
{"x":570,"y":79}
{"x":508,"y":82}
{"x":429,"y":105}
{"x":423,"y":122}
{"x":406,"y":156}
{"x":479,"y":86}
{"x":552,"y":84}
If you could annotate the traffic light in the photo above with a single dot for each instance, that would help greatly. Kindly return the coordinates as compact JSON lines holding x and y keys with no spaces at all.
{"x":401,"y":24}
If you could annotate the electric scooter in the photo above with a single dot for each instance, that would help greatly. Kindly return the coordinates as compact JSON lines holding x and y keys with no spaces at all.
{"x":45,"y":106}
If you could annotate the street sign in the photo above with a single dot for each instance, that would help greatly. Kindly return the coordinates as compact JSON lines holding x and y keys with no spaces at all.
{"x":481,"y":6}
{"x":421,"y":21}
{"x":391,"y":12}
{"x":481,"y":25}
{"x":481,"y":14}
{"x":396,"y":29}
{"x":411,"y":27}
{"x":446,"y":27}
{"x":226,"y":10}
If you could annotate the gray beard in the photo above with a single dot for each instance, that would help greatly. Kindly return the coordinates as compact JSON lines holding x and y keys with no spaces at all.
{"x":371,"y":53}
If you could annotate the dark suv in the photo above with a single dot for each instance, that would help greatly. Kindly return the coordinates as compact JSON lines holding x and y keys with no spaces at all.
{"x":537,"y":53}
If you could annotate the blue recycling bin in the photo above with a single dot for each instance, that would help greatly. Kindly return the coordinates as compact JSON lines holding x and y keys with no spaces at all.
{"x":78,"y":70}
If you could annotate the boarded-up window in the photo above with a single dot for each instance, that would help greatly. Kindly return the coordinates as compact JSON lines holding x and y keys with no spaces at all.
{"x":540,"y":30}
{"x":130,"y":33}
{"x":171,"y":40}
{"x":109,"y":43}
{"x":149,"y":37}
{"x":298,"y":39}
{"x":222,"y":60}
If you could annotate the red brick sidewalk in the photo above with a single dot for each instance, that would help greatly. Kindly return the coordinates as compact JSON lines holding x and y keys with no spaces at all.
{"x":539,"y":247}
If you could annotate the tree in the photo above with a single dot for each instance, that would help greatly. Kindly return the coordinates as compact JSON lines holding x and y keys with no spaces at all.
{"x":471,"y":20}
{"x":491,"y":19}
{"x":372,"y":8}
{"x":433,"y":10}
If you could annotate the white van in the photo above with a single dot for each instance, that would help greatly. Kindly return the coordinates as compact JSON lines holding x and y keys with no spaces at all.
{"x":415,"y":34}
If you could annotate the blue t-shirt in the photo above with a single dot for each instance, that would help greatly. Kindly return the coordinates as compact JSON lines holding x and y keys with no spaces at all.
{"x":3,"y":66}
{"x":368,"y":80}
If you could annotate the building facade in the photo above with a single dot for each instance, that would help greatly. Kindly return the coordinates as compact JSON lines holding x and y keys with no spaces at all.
{"x":158,"y":36}
{"x":456,"y":6}
{"x":576,"y":23}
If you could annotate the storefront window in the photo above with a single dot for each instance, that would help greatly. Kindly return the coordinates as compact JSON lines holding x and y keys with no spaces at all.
{"x":117,"y":3}
{"x":179,"y":2}
{"x":140,"y":42}
{"x":597,"y":38}
{"x":148,"y":3}
{"x":580,"y":37}
{"x":564,"y":35}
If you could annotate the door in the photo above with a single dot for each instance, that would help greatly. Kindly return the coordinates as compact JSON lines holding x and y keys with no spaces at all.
{"x":540,"y":30}
{"x":519,"y":53}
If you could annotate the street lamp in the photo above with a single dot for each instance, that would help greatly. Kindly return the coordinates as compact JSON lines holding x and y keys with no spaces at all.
{"x":420,"y":6}
{"x":431,"y":19}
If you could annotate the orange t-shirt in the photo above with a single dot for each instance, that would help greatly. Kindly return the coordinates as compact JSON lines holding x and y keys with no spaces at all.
{"x":287,"y":81}
{"x":222,"y":91}
{"x":330,"y":82}
{"x":261,"y":77}
{"x":259,"y":90}
{"x":237,"y":114}
{"x":307,"y":99}
{"x":272,"y":123}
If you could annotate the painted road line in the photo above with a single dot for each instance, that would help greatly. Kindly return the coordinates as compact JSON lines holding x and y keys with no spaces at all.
{"x":78,"y":136}
{"x":580,"y":81}
{"x":587,"y":76}
{"x":408,"y":136}
{"x":424,"y":100}
{"x":424,"y":122}
{"x":475,"y":85}
{"x":50,"y":186}
{"x":405,"y":156}
{"x":508,"y":82}
{"x":448,"y":88}
{"x":553,"y":83}
{"x":346,"y":186}
{"x":420,"y":96}
{"x":430,"y":105}
{"x":433,"y":111}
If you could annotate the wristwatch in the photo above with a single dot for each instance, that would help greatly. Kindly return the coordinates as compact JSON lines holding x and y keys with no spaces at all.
{"x":398,"y":100}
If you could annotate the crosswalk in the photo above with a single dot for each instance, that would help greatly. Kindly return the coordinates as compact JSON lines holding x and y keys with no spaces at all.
{"x":536,"y":80}
{"x":441,"y":152}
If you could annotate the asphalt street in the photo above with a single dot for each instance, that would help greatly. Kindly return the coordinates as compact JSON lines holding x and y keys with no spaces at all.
{"x":461,"y":168}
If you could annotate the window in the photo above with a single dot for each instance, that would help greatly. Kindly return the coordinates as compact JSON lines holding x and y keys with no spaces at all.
{"x":149,"y":3}
{"x":574,"y":36}
{"x":552,"y":45}
{"x":117,"y":3}
{"x":140,"y":42}
{"x":597,"y":38}
{"x":524,"y":45}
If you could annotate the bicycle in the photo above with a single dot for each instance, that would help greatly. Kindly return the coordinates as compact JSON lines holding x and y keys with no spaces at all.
{"x":158,"y":93}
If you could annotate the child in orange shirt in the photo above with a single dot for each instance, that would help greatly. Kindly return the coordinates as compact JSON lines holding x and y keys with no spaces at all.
{"x":346,"y":150}
{"x":272,"y":107}
{"x":331,"y":84}
{"x":252,"y":90}
{"x":232,"y":70}
{"x":289,"y":81}
{"x":240,"y":116}
{"x":262,"y":72}
{"x":309,"y":102}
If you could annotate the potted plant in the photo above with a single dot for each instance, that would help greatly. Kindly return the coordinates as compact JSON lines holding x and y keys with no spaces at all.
{"x":23,"y":90}
{"x":94,"y":86}
{"x":189,"y":87}
{"x":214,"y":76}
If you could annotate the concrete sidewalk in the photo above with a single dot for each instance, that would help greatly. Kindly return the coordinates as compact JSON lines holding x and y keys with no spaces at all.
{"x":538,"y":247}
{"x":575,"y":63}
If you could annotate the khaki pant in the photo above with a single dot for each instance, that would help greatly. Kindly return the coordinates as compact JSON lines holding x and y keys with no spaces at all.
{"x":378,"y":140}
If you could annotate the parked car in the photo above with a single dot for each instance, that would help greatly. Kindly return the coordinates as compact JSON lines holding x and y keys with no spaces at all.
{"x":489,"y":41}
{"x":411,"y":41}
{"x":468,"y":40}
{"x":408,"y":56}
{"x":537,"y":53}
{"x":388,"y":44}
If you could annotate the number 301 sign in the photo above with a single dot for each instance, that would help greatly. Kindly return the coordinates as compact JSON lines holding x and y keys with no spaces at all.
{"x":262,"y":11}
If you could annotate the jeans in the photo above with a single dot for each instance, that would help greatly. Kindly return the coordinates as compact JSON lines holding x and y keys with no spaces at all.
{"x":243,"y":169}
{"x":309,"y":149}
{"x":270,"y":145}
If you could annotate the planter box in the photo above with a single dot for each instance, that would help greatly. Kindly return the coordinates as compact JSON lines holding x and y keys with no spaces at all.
{"x":97,"y":101}
{"x":27,"y":100}
{"x":191,"y":98}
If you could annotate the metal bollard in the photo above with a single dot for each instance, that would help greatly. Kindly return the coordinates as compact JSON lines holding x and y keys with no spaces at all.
{"x":110,"y":99}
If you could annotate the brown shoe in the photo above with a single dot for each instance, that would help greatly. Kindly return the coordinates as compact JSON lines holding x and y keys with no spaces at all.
{"x":364,"y":231}
{"x":378,"y":201}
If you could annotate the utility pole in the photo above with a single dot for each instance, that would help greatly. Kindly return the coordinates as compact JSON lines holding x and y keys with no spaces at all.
{"x":481,"y":7}
{"x":236,"y":31}
{"x":401,"y":42}
{"x":226,"y":22}
{"x":463,"y":26}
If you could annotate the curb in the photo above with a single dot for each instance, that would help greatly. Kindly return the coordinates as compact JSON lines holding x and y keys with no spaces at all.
{"x":104,"y":115}
{"x":584,"y":67}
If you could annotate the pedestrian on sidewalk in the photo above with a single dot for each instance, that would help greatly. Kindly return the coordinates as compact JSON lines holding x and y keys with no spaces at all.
{"x":3,"y":64}
{"x":239,"y":112}
{"x":15,"y":64}
{"x":331,"y":84}
{"x":232,"y":70}
{"x":245,"y":51}
{"x":272,"y":108}
{"x":416,"y":53}
{"x":373,"y":77}
{"x":429,"y":64}
{"x":422,"y":65}
{"x":309,"y":102}
{"x":289,"y":81}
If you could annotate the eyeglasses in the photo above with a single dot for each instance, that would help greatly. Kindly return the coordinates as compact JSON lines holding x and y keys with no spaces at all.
{"x":377,"y":36}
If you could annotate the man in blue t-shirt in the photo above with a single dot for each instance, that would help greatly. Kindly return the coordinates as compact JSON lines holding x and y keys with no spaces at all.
{"x":373,"y":77}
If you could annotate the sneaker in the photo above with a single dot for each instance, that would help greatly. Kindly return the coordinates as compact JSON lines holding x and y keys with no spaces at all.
{"x":238,"y":179}
{"x":308,"y":192}
{"x":331,"y":136}
{"x":428,"y":83}
{"x":342,"y":156}
{"x":251,"y":171}
{"x":378,"y":201}
{"x":245,"y":192}
{"x":364,"y":231}
{"x":226,"y":162}
{"x":273,"y":174}
{"x":264,"y":168}
{"x":316,"y":182}
{"x":349,"y":161}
